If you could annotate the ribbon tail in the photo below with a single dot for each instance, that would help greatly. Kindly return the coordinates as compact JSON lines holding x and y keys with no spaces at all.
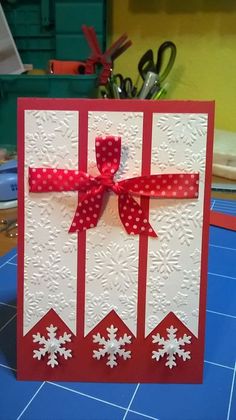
{"x":133,"y":217}
{"x":88,"y":210}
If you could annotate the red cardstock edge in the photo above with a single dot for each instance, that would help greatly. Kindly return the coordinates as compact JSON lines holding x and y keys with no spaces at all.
{"x":189,"y":372}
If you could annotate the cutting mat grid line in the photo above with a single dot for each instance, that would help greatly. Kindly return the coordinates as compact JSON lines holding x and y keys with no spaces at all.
{"x":215,"y":399}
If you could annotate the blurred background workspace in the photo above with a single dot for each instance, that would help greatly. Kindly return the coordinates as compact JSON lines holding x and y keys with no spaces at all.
{"x":46,"y":51}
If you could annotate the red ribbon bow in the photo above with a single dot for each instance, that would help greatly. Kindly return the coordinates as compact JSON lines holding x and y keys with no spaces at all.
{"x":92,"y":189}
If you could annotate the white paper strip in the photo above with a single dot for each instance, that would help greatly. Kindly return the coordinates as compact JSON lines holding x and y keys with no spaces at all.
{"x":50,"y":275}
{"x":111,"y":254}
{"x":174,"y":259}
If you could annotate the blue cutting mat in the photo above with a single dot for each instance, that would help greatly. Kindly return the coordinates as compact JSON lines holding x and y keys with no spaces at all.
{"x":215,"y":399}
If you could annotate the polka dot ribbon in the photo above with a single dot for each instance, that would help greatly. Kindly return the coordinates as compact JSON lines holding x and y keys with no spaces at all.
{"x":92,"y":189}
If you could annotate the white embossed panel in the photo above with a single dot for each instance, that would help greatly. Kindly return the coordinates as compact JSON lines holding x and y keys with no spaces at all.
{"x":173,"y":277}
{"x":111,"y":254}
{"x":50,"y":274}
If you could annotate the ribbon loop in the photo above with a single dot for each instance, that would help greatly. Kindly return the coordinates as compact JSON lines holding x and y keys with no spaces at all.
{"x":108,"y":151}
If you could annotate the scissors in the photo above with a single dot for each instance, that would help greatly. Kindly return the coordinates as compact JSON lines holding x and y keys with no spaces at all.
{"x":125,"y":86}
{"x":146,"y":62}
{"x":9,"y":226}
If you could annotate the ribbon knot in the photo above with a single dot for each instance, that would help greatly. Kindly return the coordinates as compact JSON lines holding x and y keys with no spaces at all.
{"x":92,"y":189}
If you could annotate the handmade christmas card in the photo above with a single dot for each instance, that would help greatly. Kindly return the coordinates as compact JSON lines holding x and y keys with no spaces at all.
{"x":114,"y":202}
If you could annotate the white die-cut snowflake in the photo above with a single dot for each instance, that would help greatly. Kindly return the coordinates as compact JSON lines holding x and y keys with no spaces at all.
{"x":171,"y":347}
{"x":52,"y":346}
{"x":112,"y":346}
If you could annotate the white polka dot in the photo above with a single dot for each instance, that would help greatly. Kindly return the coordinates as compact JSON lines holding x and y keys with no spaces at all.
{"x":174,"y":193}
{"x":91,"y":225}
{"x":116,"y":149}
{"x":137,"y":219}
{"x":192,"y":176}
{"x":185,"y":193}
{"x":124,"y":208}
{"x":76,"y":172}
{"x":142,"y":228}
{"x":81,"y":221}
{"x":97,"y":143}
{"x":112,"y":171}
{"x":90,"y":208}
{"x":103,"y":159}
{"x":97,"y":206}
{"x":116,"y":138}
{"x":73,"y":224}
{"x":80,"y":204}
{"x":49,"y":176}
{"x":34,"y":182}
{"x":60,"y":177}
{"x":99,"y":196}
{"x":170,"y":176}
{"x":136,"y":186}
{"x":122,"y":215}
{"x":110,"y":143}
{"x":197,"y":182}
{"x":39,"y":188}
{"x":126,"y":224}
{"x":181,"y":175}
{"x":140,"y":211}
{"x":135,"y":226}
{"x":44,"y":170}
{"x":132,"y":209}
{"x":109,"y":164}
{"x":109,"y":154}
{"x":147,"y":187}
{"x":153,"y":181}
{"x":175,"y":181}
{"x":115,"y":160}
{"x":186,"y":182}
{"x":50,"y":188}
{"x":33,"y":170}
{"x":87,"y":218}
{"x":65,"y":171}
{"x":92,"y":199}
{"x":71,"y":178}
{"x":191,"y":188}
{"x":169,"y":187}
{"x":152,"y":192}
{"x":77,"y":214}
{"x":164,"y":181}
{"x":55,"y":171}
{"x":38,"y":176}
{"x":150,"y":230}
{"x":144,"y":220}
{"x":44,"y":182}
{"x":158,"y":187}
{"x":129,"y":217}
{"x":196,"y":194}
{"x":131,"y":233}
{"x":84,"y":211}
{"x":180,"y":187}
{"x":95,"y":215}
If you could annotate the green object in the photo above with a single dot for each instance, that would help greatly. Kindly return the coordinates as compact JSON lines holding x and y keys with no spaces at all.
{"x":44,"y":30}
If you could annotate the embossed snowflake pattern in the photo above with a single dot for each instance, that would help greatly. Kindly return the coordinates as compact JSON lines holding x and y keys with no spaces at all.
{"x":97,"y":307}
{"x":65,"y":130}
{"x":51,"y":272}
{"x":129,"y":306}
{"x":52,"y":346}
{"x":180,"y":219}
{"x":42,"y":235}
{"x":98,"y":121}
{"x":57,"y":302}
{"x":116,"y":267}
{"x":164,"y":157}
{"x":159,"y":303}
{"x":32,"y":305}
{"x":183,"y":127}
{"x":165,"y":261}
{"x":171,"y":347}
{"x":180,"y":299}
{"x":194,"y":162}
{"x":191,"y":281}
{"x":196,"y":256}
{"x":112,"y":347}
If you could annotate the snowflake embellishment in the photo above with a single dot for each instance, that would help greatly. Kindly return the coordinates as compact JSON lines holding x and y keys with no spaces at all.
{"x":171,"y":347}
{"x":112,"y":346}
{"x":52,"y":346}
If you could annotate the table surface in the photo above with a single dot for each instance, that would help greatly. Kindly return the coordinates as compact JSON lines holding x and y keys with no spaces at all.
{"x":215,"y":399}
